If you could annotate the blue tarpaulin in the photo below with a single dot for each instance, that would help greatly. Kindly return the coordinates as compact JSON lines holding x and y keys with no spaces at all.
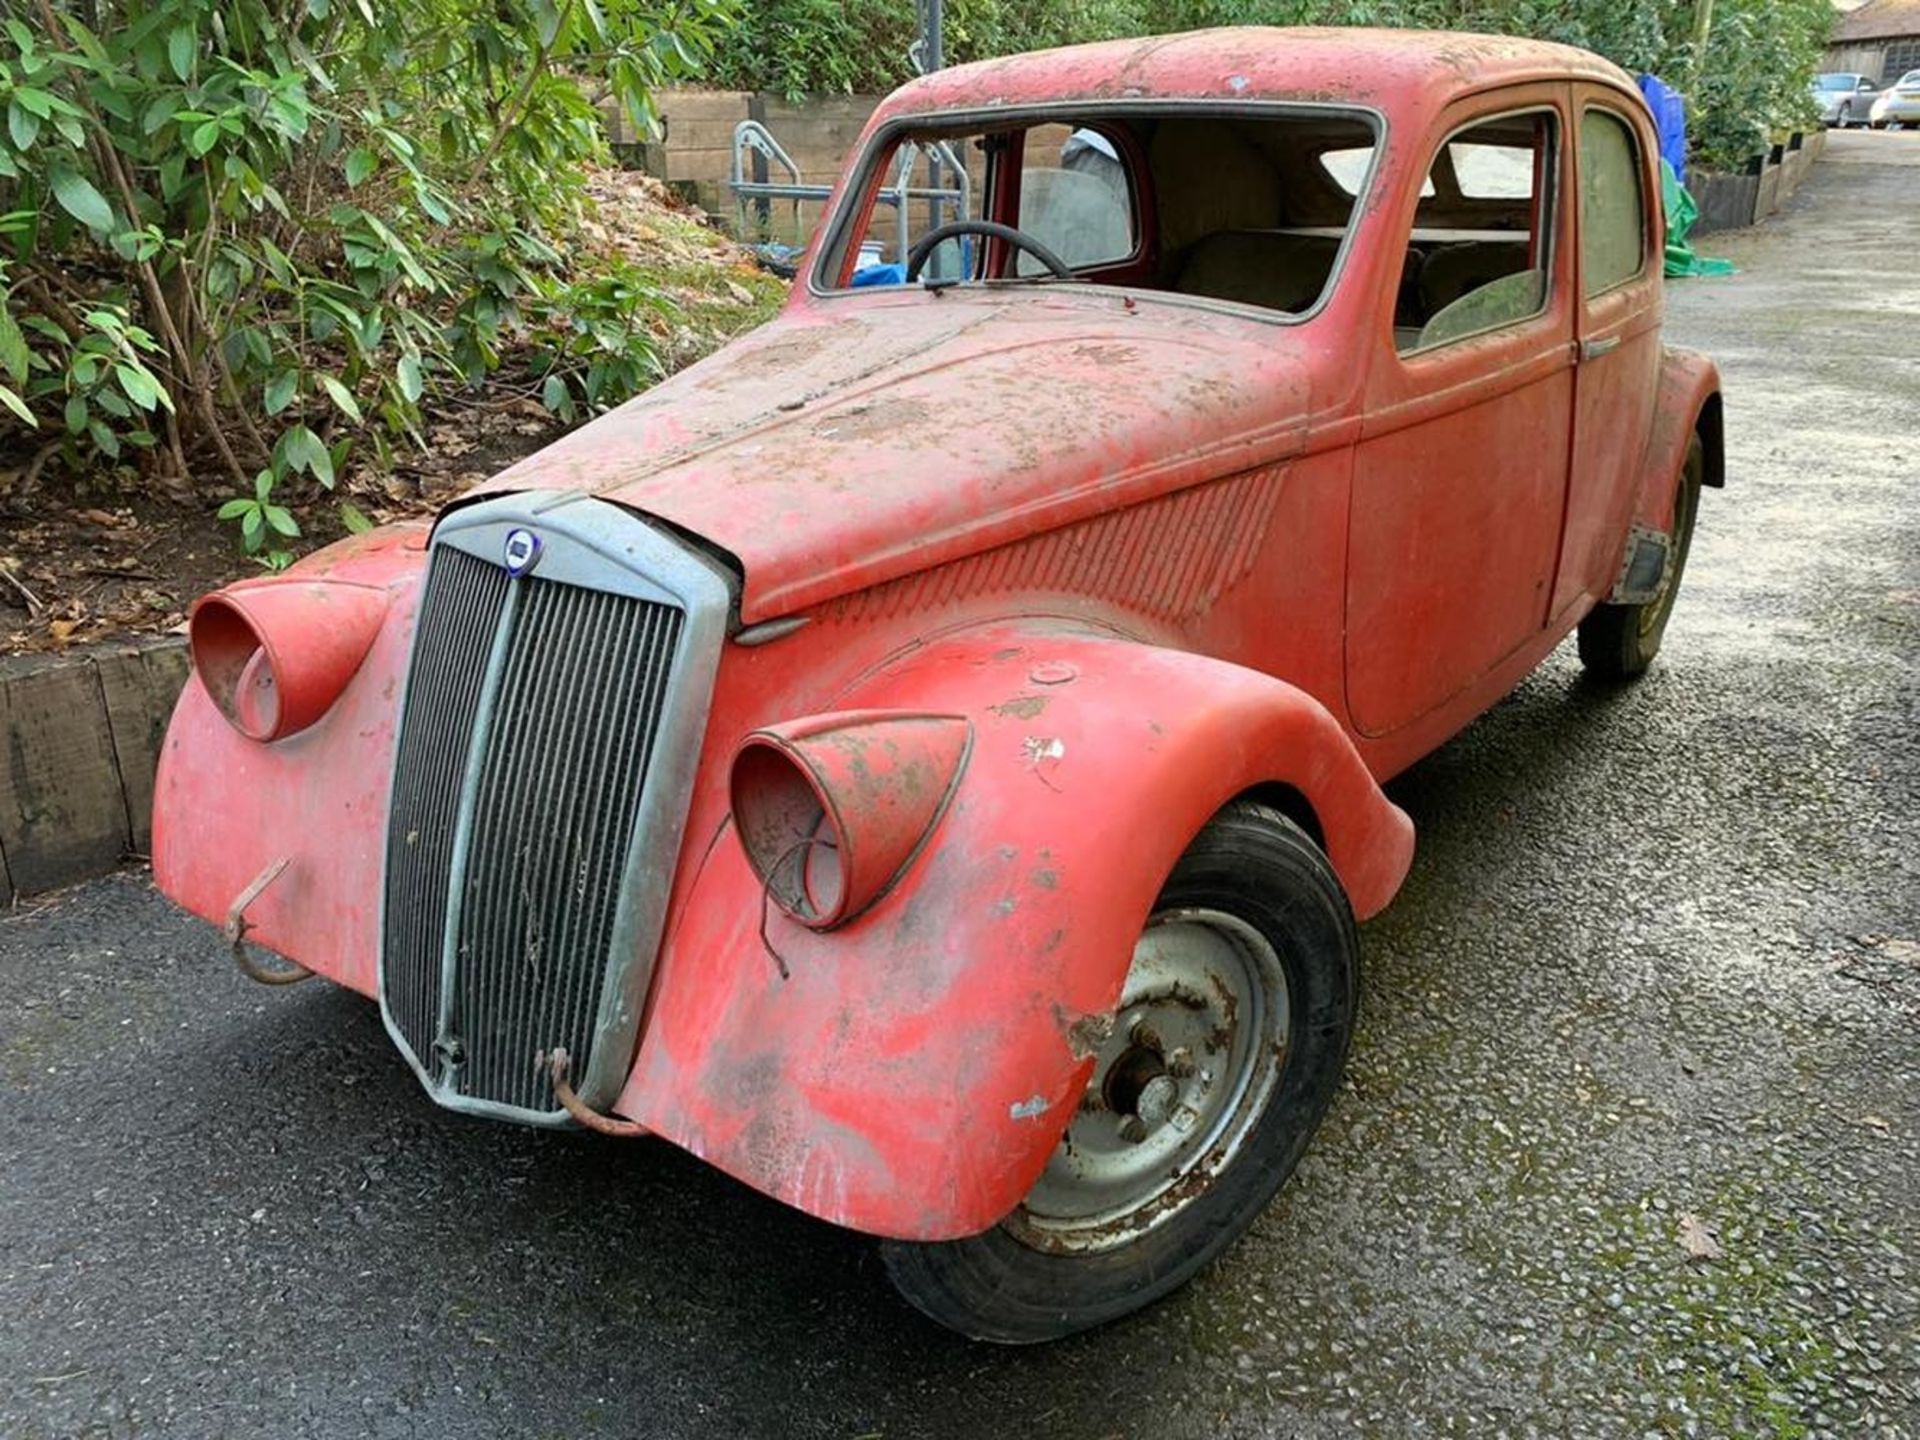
{"x":1670,"y":119}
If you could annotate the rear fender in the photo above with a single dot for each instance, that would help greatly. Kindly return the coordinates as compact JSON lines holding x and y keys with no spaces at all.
{"x":1687,"y":403}
{"x":911,"y":1071}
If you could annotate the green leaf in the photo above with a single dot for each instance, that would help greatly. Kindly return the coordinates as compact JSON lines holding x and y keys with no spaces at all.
{"x":18,"y":406}
{"x":263,"y":486}
{"x":342,"y":397}
{"x":159,"y":111}
{"x":361,"y":162}
{"x":304,"y":451}
{"x":104,"y":440}
{"x":180,"y":50}
{"x":40,"y":102}
{"x":354,"y":519}
{"x":75,"y":414}
{"x":79,"y":198}
{"x":553,"y":394}
{"x":139,"y":386}
{"x":412,"y":382}
{"x":280,"y":391}
{"x":14,"y":356}
{"x":234,"y":509}
{"x":22,"y":125}
{"x":251,"y":528}
{"x":281,"y":520}
{"x":204,"y":137}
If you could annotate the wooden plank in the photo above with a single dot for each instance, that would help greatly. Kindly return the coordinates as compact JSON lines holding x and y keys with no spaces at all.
{"x":702,"y":134}
{"x":139,"y":685}
{"x":62,"y":814}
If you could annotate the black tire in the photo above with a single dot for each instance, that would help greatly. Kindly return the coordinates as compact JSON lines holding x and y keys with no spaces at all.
{"x":1259,"y":868}
{"x":1618,"y":642}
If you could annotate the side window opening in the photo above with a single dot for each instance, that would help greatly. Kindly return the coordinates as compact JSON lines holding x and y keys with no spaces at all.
{"x":1481,"y":247}
{"x":1613,"y":218}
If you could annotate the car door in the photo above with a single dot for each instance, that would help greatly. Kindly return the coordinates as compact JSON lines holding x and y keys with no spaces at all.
{"x":1618,"y":326}
{"x":1460,"y":471}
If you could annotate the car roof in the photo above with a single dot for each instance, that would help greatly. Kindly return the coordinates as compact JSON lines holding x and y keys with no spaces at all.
{"x":1399,"y":72}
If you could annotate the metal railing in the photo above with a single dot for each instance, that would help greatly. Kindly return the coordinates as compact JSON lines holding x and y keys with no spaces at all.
{"x":751,"y":138}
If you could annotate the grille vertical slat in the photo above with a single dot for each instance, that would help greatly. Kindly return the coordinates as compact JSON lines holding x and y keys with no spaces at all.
{"x":615,"y":635}
{"x":558,"y":781}
{"x":458,"y":617}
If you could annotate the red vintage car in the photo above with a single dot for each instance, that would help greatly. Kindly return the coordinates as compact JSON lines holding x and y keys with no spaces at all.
{"x":926,"y":758}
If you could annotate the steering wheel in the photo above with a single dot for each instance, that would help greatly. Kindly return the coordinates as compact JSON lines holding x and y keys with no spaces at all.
{"x":1019,"y":239}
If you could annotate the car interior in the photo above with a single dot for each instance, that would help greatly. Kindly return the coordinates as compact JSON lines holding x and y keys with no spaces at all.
{"x":1249,"y":210}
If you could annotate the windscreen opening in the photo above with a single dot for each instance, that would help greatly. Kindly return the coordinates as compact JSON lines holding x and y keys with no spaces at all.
{"x":1222,"y":206}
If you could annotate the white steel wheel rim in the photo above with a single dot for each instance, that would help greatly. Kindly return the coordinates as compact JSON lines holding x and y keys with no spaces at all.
{"x":1199,"y":1042}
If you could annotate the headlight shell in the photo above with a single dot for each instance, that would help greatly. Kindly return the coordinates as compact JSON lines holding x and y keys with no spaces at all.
{"x":831,"y":810}
{"x":273,"y":655}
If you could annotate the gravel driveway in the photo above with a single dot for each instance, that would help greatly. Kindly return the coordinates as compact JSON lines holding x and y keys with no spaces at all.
{"x":1630,"y":1142}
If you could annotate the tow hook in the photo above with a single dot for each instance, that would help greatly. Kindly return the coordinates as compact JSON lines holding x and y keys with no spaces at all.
{"x":556,"y":1067}
{"x":288,"y":972}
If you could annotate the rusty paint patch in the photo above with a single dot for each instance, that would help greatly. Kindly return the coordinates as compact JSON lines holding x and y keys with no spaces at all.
{"x":1086,"y":1035}
{"x":1021,"y":707}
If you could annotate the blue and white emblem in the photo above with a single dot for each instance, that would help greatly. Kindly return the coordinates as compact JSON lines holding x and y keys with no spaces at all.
{"x":521,"y":552}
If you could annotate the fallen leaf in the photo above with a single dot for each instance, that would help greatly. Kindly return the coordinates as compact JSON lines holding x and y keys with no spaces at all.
{"x":1876,"y":1122}
{"x":1905,"y":951}
{"x":98,"y":517}
{"x":1696,"y":1239}
{"x":62,"y":630}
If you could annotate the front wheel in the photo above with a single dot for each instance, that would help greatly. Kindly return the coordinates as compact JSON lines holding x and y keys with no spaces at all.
{"x":1227,"y":1043}
{"x":1618,"y":642}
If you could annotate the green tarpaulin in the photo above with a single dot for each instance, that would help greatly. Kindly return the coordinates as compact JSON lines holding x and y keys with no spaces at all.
{"x":1681,"y":213}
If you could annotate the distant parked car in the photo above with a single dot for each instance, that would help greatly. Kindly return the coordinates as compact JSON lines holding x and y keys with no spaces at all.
{"x":1844,"y":97}
{"x":1899,"y":104}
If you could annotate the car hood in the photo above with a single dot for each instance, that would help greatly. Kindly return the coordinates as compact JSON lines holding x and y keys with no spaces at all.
{"x":863,"y":439}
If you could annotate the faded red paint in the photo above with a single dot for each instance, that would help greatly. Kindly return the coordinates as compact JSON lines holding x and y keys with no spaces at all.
{"x":1146,"y":556}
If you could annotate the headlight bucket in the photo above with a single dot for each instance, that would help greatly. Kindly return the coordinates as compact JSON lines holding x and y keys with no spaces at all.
{"x":273,"y":655}
{"x":833,"y":808}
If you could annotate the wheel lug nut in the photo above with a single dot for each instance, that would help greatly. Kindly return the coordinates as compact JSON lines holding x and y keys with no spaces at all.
{"x":1180,"y":1064}
{"x":1146,"y":1037}
{"x":1133,"y":1130}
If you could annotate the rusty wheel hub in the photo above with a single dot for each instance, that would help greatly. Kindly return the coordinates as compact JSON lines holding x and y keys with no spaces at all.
{"x":1198,"y":1044}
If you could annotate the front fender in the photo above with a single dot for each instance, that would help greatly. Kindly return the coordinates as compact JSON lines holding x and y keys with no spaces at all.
{"x":913,"y":1070}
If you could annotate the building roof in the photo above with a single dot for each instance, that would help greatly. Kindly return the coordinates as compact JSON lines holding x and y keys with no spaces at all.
{"x":1879,"y":20}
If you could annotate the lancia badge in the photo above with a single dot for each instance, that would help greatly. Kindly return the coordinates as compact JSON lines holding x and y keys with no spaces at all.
{"x":521,"y":552}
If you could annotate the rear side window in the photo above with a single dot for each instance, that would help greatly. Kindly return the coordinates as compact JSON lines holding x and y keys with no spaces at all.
{"x":1613,"y":225}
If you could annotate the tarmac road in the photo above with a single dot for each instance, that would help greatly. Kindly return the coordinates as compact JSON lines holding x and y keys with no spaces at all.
{"x":1659,"y":957}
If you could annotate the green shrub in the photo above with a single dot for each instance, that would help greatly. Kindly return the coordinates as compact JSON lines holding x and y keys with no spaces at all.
{"x":267,"y":232}
{"x":1750,"y":81}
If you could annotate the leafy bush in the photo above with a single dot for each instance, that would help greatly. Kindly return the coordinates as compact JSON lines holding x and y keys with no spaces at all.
{"x":1750,"y":81}
{"x":269,"y":232}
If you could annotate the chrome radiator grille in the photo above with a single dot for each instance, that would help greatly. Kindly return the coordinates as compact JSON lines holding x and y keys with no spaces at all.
{"x":546,"y":754}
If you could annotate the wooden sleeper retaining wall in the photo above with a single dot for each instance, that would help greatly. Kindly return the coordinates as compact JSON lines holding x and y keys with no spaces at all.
{"x":79,"y":738}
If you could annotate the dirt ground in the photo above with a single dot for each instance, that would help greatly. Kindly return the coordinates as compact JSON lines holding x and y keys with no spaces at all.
{"x":1629,"y":1145}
